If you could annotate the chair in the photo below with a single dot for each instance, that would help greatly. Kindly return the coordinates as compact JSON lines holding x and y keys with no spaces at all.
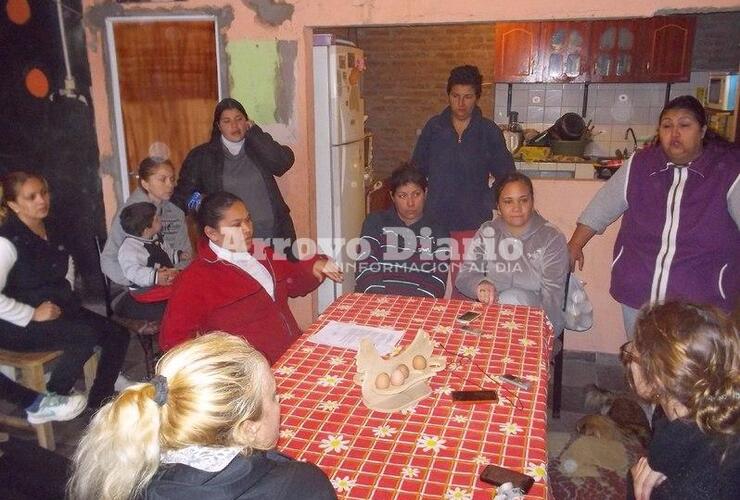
{"x":31,"y":366}
{"x":144,"y":330}
{"x":378,"y":197}
{"x":557,"y":380}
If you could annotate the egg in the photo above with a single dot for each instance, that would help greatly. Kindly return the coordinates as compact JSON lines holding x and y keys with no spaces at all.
{"x":419,"y":362}
{"x":404,"y":369}
{"x":382,"y":381}
{"x":397,"y":377}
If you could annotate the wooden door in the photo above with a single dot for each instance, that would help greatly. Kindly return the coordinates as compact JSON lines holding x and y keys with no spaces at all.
{"x":615,"y":51}
{"x":517,"y":52}
{"x":168,"y":87}
{"x":564,"y":51}
{"x":667,"y":54}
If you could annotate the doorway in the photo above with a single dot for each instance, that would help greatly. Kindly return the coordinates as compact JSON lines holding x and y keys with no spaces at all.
{"x":165,"y":76}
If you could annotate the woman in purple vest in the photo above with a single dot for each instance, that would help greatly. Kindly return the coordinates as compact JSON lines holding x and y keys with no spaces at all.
{"x":680,"y":205}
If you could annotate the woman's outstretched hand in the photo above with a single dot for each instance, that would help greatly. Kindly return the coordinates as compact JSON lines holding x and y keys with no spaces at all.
{"x":327,"y":268}
{"x":46,"y":311}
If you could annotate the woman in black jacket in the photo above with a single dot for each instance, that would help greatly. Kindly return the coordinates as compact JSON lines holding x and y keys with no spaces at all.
{"x":205,"y":427}
{"x":686,"y":358}
{"x":242,"y":159}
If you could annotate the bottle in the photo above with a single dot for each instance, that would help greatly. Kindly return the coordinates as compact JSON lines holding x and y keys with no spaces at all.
{"x":513,"y":133}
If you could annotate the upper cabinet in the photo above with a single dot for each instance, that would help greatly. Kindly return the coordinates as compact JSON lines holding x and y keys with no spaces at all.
{"x":564,"y":51}
{"x":517,"y":52}
{"x":615,"y":51}
{"x":667,"y":49}
{"x":620,"y":50}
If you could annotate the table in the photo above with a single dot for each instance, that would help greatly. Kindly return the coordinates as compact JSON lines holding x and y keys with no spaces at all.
{"x":435,"y":449}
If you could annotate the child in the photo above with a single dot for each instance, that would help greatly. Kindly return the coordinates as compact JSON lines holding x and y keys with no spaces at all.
{"x":145,"y":259}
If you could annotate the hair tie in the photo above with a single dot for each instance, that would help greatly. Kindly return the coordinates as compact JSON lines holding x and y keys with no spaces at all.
{"x":160,"y":389}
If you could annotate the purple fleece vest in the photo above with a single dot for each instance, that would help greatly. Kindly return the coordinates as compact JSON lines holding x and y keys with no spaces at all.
{"x":677,"y":239}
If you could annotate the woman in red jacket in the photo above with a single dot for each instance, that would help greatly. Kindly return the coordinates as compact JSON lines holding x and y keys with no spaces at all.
{"x":233,"y":288}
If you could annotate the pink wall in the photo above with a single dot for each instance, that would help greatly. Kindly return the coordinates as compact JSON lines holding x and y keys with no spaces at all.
{"x":298,"y":183}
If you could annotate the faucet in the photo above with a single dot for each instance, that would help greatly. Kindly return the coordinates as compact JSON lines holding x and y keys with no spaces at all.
{"x":634,"y":139}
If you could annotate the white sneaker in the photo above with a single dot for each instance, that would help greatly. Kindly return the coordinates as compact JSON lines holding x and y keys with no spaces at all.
{"x":54,"y":407}
{"x":122,"y":382}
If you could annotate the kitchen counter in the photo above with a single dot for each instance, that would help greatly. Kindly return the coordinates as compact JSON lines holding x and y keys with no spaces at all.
{"x":561,"y":201}
{"x":557,"y":170}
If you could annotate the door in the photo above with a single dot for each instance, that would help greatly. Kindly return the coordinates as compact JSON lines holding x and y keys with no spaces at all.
{"x":516,"y":52}
{"x":614,"y":51}
{"x":564,"y":51}
{"x":166,"y":85}
{"x":669,"y":43}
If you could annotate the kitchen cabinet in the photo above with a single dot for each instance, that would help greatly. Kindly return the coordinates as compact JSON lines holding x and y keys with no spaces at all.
{"x":564,"y":51}
{"x":667,"y":48}
{"x":516,"y":52}
{"x":615,"y":51}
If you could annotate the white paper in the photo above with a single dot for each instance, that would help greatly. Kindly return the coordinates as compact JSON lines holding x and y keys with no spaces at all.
{"x":349,"y":335}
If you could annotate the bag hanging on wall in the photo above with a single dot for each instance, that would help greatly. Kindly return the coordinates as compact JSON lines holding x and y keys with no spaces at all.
{"x":579,"y":313}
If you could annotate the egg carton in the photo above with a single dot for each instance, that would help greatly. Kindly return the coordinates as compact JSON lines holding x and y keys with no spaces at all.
{"x":396,"y":383}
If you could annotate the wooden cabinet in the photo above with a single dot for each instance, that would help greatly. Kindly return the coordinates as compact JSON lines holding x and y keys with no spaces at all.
{"x":667,"y":49}
{"x":517,"y":52}
{"x":615,"y":51}
{"x":564,"y":51}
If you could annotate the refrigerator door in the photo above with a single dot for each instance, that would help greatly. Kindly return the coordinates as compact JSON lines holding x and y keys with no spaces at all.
{"x":346,"y":103}
{"x":346,"y":216}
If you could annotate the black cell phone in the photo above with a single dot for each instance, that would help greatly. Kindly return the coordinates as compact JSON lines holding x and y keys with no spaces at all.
{"x":471,"y":397}
{"x":467,"y":317}
{"x":497,"y":476}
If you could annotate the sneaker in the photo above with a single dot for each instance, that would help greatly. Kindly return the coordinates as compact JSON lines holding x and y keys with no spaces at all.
{"x":54,"y":407}
{"x":122,"y":382}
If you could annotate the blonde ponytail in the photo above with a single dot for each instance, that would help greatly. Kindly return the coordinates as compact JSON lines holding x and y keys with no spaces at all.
{"x":119,"y":452}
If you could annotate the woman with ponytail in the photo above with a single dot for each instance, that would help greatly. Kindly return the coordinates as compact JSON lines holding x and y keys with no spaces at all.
{"x":686,"y":358}
{"x":205,"y":427}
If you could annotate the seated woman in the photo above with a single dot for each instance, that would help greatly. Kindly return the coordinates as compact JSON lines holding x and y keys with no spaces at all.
{"x":205,"y":427}
{"x":40,"y":311}
{"x":41,"y":407}
{"x":518,"y":257}
{"x":406,"y":253}
{"x":686,"y":357}
{"x":156,"y":185}
{"x":227,"y":288}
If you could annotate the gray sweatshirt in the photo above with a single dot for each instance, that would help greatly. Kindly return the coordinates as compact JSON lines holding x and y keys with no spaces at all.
{"x":174,"y":231}
{"x":535,"y":262}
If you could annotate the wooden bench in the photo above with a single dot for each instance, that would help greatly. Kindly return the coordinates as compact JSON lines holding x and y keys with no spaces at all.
{"x":31,"y":366}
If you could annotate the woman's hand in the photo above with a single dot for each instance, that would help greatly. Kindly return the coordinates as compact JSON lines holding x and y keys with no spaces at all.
{"x":581,"y":236}
{"x":644,"y":479}
{"x":327,"y":268}
{"x":486,"y":293}
{"x":166,"y":275}
{"x":575,"y":252}
{"x":46,"y":311}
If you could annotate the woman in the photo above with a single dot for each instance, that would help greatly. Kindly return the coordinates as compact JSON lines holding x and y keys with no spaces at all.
{"x":458,"y":150}
{"x":205,"y":427}
{"x":242,"y":158}
{"x":228,"y":288}
{"x":156,"y":185}
{"x":41,"y":312}
{"x":680,"y":207}
{"x":686,"y":358}
{"x":518,"y":257}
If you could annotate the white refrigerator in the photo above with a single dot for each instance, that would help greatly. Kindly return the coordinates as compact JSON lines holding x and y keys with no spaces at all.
{"x":340,"y":165}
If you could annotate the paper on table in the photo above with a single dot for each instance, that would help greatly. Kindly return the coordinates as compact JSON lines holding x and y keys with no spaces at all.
{"x":349,"y":335}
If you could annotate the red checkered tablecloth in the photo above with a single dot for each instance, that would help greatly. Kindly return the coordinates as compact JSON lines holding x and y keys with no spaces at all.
{"x":436,"y":449}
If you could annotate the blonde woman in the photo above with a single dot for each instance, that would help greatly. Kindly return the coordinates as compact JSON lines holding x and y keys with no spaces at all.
{"x":686,"y":358}
{"x":204,"y":428}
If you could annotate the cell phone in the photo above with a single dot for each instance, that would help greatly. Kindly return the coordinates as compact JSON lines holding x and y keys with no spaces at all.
{"x":493,"y":474}
{"x":508,"y":378}
{"x":471,"y":397}
{"x":467,"y":317}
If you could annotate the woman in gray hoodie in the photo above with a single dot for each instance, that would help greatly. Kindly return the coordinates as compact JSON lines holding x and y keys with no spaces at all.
{"x":156,"y":185}
{"x":518,"y":257}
